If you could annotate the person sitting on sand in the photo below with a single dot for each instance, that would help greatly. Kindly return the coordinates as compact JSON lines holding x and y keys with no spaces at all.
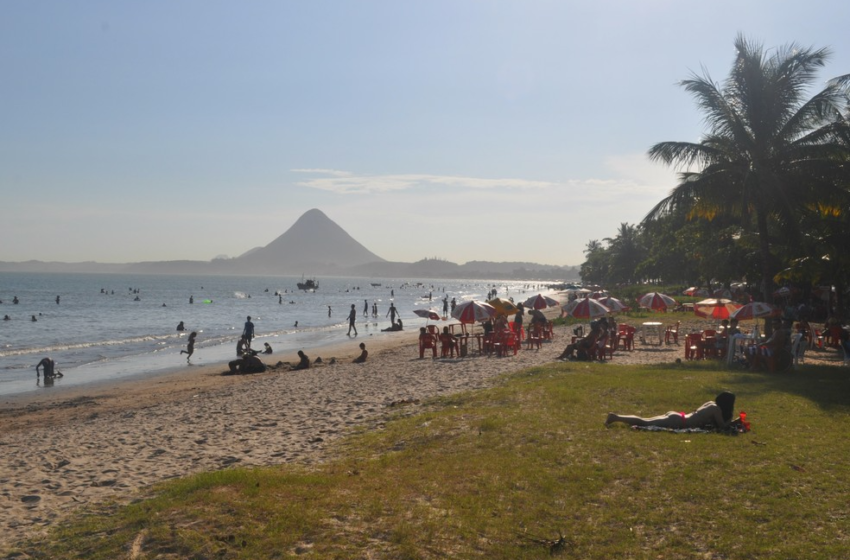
{"x":394,"y":327}
{"x":303,"y":364}
{"x":243,"y":347}
{"x":50,"y":370}
{"x":268,"y":348}
{"x":249,"y":363}
{"x":180,"y":327}
{"x":717,"y":412}
{"x":363,"y":354}
{"x":190,"y":345}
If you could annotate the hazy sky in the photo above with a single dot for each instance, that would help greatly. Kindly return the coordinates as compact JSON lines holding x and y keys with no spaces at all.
{"x":464,"y":130}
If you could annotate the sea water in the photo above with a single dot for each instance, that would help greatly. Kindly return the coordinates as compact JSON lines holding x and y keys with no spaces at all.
{"x":108,"y":327}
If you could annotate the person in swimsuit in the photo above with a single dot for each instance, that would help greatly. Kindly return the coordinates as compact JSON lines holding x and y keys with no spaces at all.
{"x":717,"y":412}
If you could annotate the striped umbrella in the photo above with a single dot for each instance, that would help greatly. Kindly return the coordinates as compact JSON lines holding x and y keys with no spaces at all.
{"x":613,"y":304}
{"x":754,"y":310}
{"x":716,"y":308}
{"x":656,"y":301}
{"x":473,"y":311}
{"x":540,"y":302}
{"x":585,"y":308}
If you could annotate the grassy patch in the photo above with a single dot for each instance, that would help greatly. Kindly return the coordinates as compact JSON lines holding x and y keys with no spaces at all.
{"x":526,"y":470}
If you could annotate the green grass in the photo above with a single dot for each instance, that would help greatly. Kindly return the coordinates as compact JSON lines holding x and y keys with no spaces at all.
{"x":505,"y":473}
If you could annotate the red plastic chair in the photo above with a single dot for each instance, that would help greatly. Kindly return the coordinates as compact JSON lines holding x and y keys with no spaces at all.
{"x":427,"y":340}
{"x":448,"y":345}
{"x":693,"y":347}
{"x":534,"y":337}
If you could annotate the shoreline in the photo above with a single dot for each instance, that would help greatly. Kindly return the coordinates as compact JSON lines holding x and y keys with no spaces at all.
{"x":59,"y":452}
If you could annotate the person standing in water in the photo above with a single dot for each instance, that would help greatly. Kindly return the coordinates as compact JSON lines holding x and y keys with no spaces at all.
{"x":352,"y":316}
{"x":248,"y":331}
{"x":50,"y":370}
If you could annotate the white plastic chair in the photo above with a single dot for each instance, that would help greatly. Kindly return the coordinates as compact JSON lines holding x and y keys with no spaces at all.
{"x":798,"y":348}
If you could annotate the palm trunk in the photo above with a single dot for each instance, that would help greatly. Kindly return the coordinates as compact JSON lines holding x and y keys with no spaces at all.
{"x":766,"y":272}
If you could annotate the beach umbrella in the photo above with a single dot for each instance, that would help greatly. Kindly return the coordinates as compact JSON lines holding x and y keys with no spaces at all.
{"x":613,"y":304}
{"x":473,"y":311}
{"x":715,"y":308}
{"x":784,"y":291}
{"x":540,"y":302}
{"x":586,"y":308}
{"x":722,"y":293}
{"x":504,"y":306}
{"x":599,"y":295}
{"x":754,"y":310}
{"x":429,"y":314}
{"x":656,"y":301}
{"x":693,"y":291}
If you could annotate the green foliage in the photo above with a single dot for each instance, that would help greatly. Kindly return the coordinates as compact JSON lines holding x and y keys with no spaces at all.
{"x":527,"y":470}
{"x":764,"y":187}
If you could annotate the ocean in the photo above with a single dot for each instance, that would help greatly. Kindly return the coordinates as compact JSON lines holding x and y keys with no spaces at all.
{"x":108,"y":327}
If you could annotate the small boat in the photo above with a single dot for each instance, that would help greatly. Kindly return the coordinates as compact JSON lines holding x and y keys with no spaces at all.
{"x":376,"y":284}
{"x":308,"y":285}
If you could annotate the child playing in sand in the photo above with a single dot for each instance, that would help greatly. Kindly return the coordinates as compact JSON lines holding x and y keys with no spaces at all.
{"x":363,"y":354}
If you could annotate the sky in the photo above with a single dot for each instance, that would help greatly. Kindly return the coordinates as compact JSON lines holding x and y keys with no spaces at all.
{"x":454,"y":129}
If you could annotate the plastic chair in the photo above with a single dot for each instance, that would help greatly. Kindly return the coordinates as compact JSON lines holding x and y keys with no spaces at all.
{"x":627,"y":337}
{"x":549,"y":331}
{"x":426,"y":341}
{"x":798,"y":348}
{"x":448,"y":345}
{"x":672,"y":333}
{"x":693,"y":347}
{"x":534,"y":337}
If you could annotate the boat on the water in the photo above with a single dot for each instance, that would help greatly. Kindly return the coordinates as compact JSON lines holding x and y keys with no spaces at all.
{"x":375,"y":284}
{"x":311,"y":284}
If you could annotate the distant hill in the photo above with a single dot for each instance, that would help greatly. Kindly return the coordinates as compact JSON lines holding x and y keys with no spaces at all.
{"x":315,"y":246}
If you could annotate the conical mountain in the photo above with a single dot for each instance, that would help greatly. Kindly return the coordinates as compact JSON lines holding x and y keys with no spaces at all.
{"x":314,"y":244}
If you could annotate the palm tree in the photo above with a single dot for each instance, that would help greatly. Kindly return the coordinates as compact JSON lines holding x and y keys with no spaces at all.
{"x":768,"y":151}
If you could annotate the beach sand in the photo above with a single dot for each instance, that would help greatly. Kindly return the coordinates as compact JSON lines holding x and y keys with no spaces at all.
{"x":60,"y":450}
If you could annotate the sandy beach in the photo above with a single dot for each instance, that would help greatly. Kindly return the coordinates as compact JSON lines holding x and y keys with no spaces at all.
{"x":67,"y":448}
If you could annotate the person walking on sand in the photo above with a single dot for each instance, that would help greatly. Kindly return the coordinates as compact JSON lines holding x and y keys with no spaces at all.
{"x":363,"y":354}
{"x":352,"y":316}
{"x":190,"y":345}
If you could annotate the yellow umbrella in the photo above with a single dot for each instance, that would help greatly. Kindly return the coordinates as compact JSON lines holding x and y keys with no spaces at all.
{"x":504,"y":306}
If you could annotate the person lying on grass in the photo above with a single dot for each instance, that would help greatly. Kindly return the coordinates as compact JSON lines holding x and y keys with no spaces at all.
{"x":717,"y":413}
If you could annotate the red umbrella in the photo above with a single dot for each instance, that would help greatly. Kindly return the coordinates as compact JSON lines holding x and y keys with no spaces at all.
{"x":613,"y":304}
{"x":756,"y":309}
{"x":722,"y":293}
{"x":473,"y":311}
{"x":656,"y":301}
{"x":429,"y":314}
{"x":693,"y":291}
{"x":540,"y":302}
{"x":716,"y":308}
{"x":586,"y":308}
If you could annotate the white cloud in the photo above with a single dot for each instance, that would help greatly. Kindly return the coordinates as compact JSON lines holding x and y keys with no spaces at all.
{"x":342,"y":182}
